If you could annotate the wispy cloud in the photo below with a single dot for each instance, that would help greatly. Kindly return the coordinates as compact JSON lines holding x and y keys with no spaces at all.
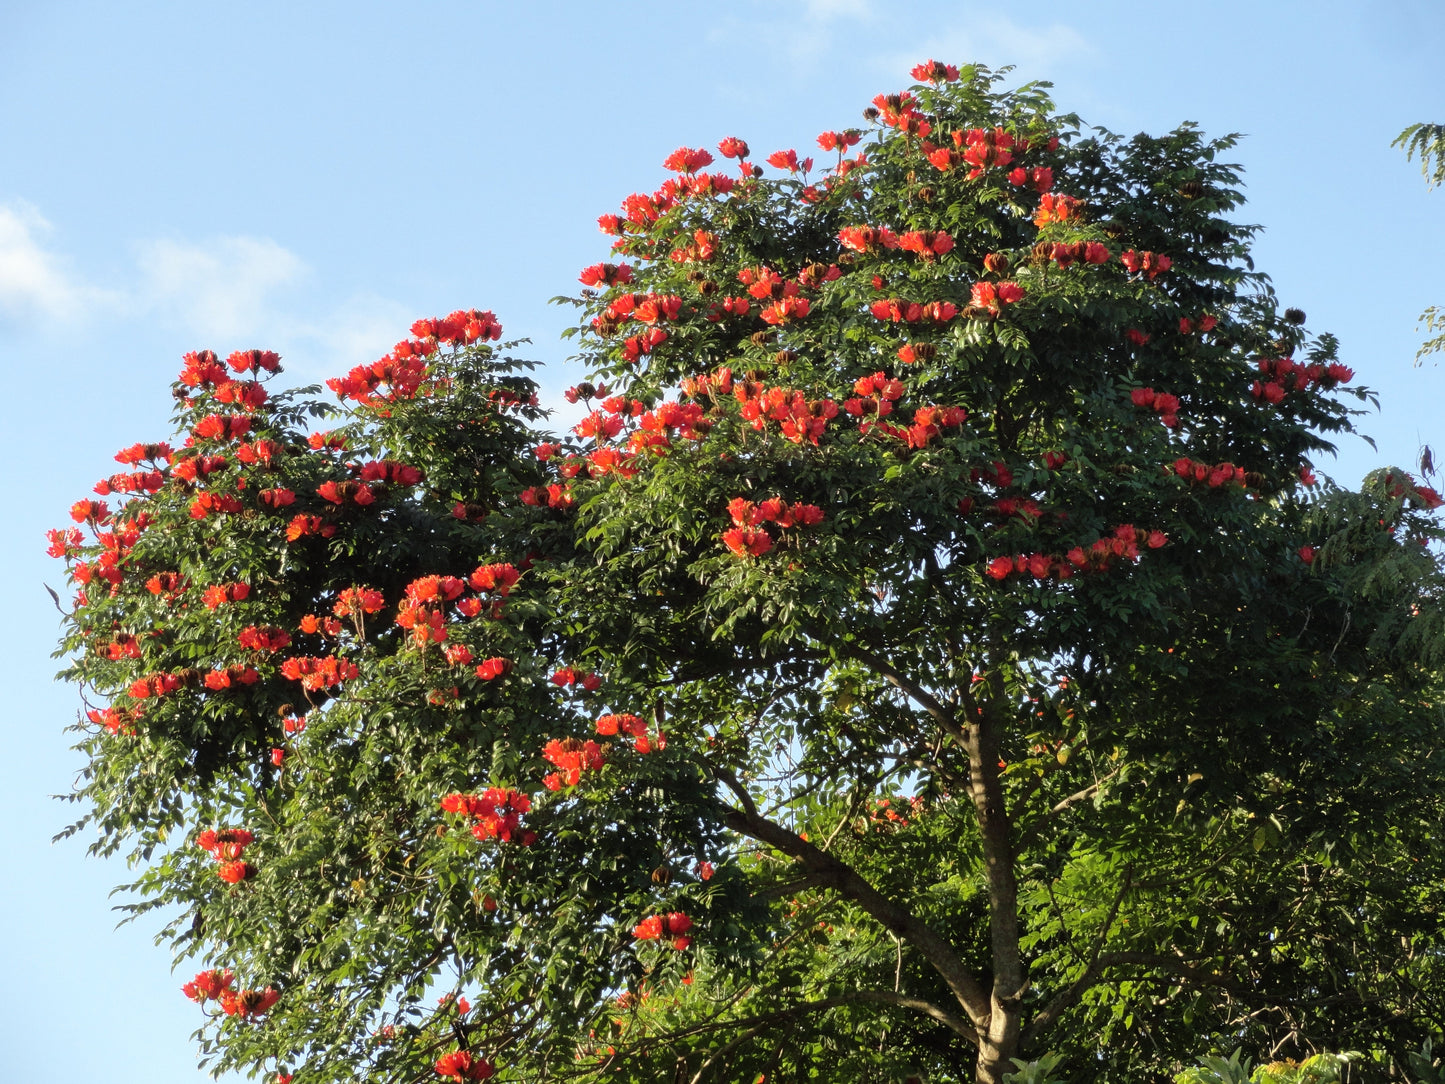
{"x":34,"y":282}
{"x":224,"y":289}
{"x":224,"y":292}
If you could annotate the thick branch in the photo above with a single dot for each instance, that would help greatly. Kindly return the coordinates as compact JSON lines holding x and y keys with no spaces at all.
{"x":827,"y":870}
{"x":908,"y":687}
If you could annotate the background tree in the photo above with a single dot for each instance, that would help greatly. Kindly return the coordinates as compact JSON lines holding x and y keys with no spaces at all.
{"x":1428,"y":141}
{"x":933,"y":647}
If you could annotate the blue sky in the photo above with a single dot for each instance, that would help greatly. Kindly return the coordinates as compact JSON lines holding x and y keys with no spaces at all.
{"x":311,"y":178}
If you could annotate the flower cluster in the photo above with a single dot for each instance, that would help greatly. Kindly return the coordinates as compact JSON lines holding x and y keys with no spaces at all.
{"x":896,"y":310}
{"x":1099,"y":556}
{"x":672,"y":926}
{"x":799,"y":417}
{"x":209,"y":985}
{"x":1283,"y":375}
{"x":990,"y":296}
{"x":226,"y":845}
{"x":463,"y":1065}
{"x":1149,"y":264}
{"x":634,"y":726}
{"x":1220,"y":474}
{"x":1057,"y":208}
{"x":567,"y":677}
{"x":572,"y":757}
{"x":496,"y":814}
{"x":874,"y":396}
{"x":1165,"y":404}
{"x":747,"y":538}
{"x":319,"y":673}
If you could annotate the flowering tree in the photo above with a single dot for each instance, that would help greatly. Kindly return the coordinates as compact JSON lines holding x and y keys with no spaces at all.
{"x":932,"y":647}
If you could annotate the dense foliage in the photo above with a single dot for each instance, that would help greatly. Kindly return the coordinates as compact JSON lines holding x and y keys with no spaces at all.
{"x":932,"y":647}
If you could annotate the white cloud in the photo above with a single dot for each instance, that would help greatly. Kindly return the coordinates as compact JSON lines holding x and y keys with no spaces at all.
{"x":223,"y":290}
{"x":225,"y":293}
{"x":34,"y":283}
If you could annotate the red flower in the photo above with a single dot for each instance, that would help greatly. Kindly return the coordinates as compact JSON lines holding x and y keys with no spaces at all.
{"x":789,"y":160}
{"x":248,"y":1003}
{"x":745,"y":542}
{"x":733,"y":147}
{"x":208,"y":984}
{"x":1137,"y":337}
{"x":934,"y":71}
{"x":250,"y":361}
{"x":463,"y":1065}
{"x":1307,"y":554}
{"x":687,"y":160}
{"x":1000,"y":567}
{"x":235,"y":872}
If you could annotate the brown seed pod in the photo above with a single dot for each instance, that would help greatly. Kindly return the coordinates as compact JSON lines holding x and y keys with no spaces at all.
{"x":1191,"y":189}
{"x":784,"y":357}
{"x":924,"y":351}
{"x":661,"y":875}
{"x":1295,"y":316}
{"x":761,"y":338}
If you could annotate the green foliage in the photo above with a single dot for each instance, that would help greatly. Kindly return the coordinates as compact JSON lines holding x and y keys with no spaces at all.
{"x":1428,"y":141}
{"x":929,"y":651}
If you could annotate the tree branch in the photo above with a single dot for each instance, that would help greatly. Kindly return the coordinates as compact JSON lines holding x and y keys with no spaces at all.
{"x":829,"y":871}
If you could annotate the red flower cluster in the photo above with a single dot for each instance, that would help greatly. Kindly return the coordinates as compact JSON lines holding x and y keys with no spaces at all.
{"x":573,"y":757}
{"x":155,"y":686}
{"x":1092,"y":252}
{"x":218,"y":594}
{"x":566,"y":677}
{"x":264,"y":639}
{"x":1221,"y":474}
{"x":866,"y":239}
{"x":984,"y":148}
{"x":252,"y":361}
{"x":934,"y":71}
{"x":700,"y":249}
{"x":340,"y":493}
{"x":497,"y":814}
{"x":991,"y":296}
{"x":875,"y":395}
{"x":553,"y":496}
{"x":896,"y":310}
{"x":800,"y":418}
{"x":636,"y":727}
{"x":1283,"y":375}
{"x":463,"y":1065}
{"x":462,"y":326}
{"x":227,"y":677}
{"x":1202,"y":324}
{"x":901,"y":111}
{"x":116,"y":720}
{"x":1101,"y":554}
{"x":671,"y":926}
{"x":1167,"y":405}
{"x":319,"y":673}
{"x":489,"y":669}
{"x":145,"y":453}
{"x":926,"y":243}
{"x":248,"y":1003}
{"x":1151,"y":264}
{"x":1040,"y":178}
{"x":226,"y":846}
{"x":302,"y":525}
{"x":358,"y":600}
{"x":202,"y":369}
{"x":606,"y":274}
{"x":209,"y":984}
{"x":210,"y":502}
{"x":169,"y":584}
{"x":687,"y":160}
{"x":1056,"y":208}
{"x":746,"y":538}
{"x":839,"y":141}
{"x":789,"y":160}
{"x":386,"y":470}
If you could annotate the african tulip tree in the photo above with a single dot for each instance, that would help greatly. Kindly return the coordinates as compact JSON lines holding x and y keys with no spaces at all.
{"x":931,"y":647}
